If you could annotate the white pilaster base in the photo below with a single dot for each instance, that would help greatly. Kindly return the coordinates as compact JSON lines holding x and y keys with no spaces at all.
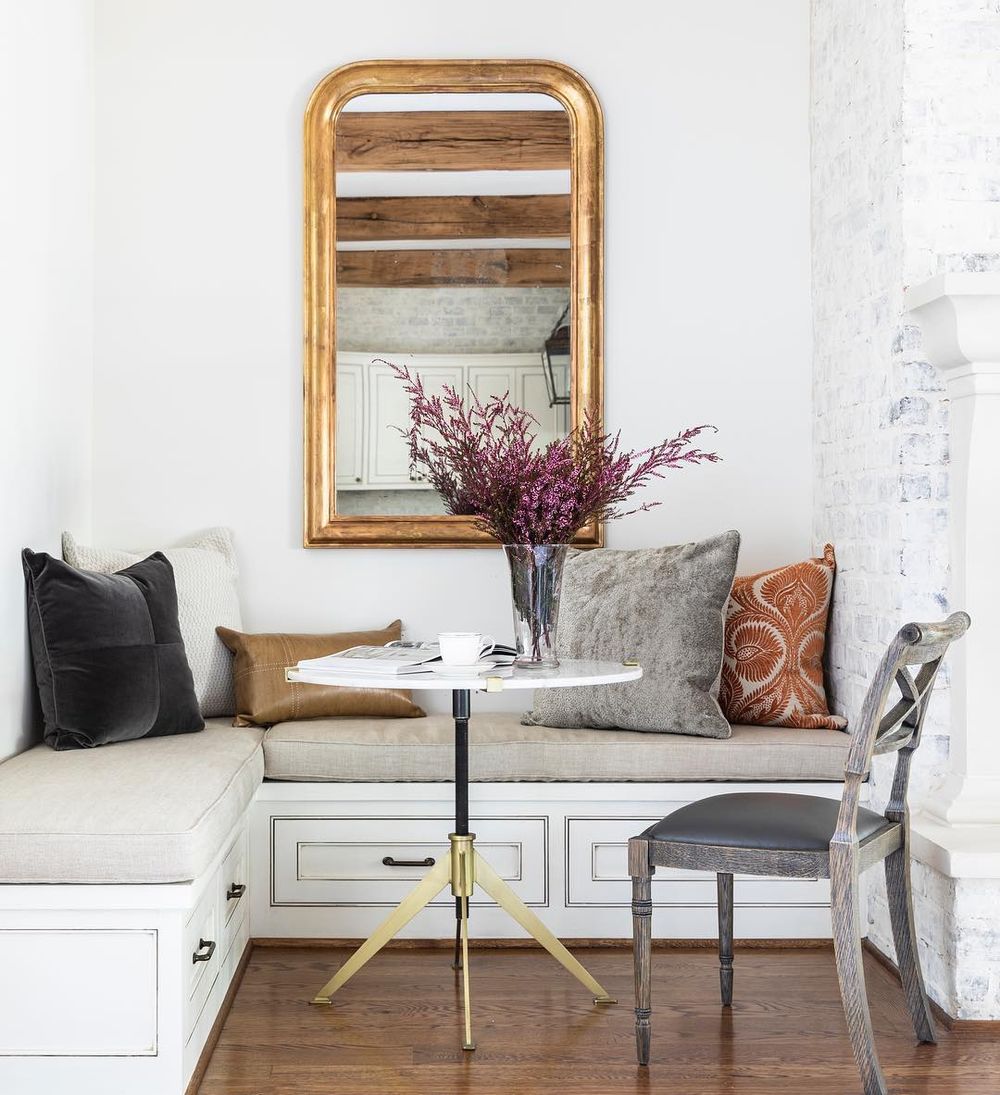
{"x":966,"y":851}
{"x":966,"y":800}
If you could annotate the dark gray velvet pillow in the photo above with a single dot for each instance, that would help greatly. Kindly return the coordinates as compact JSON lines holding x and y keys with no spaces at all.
{"x":109,"y":658}
{"x":666,"y":607}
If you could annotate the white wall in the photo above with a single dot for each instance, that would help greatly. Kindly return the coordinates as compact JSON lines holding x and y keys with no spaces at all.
{"x":46,"y":289}
{"x":198,"y":344}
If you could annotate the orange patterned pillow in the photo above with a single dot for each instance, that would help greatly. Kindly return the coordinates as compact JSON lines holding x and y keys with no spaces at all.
{"x":772,"y":671}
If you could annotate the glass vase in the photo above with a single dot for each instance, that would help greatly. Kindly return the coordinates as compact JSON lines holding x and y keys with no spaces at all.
{"x":535,"y":582}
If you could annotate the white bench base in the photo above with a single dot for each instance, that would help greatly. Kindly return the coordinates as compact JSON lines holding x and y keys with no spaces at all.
{"x":101,"y":995}
{"x":318,"y":849}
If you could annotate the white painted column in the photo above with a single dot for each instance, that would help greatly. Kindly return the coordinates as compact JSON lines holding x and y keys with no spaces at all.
{"x":960,"y":318}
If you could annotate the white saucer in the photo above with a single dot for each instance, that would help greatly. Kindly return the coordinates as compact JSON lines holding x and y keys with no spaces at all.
{"x":464,"y":670}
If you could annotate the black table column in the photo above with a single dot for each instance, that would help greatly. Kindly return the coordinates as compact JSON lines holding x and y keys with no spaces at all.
{"x":460,"y":712}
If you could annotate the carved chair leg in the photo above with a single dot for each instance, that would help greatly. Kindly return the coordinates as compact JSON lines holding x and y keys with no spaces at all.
{"x":845,"y":910}
{"x":897,"y":884}
{"x":725,"y":887}
{"x":642,"y":936}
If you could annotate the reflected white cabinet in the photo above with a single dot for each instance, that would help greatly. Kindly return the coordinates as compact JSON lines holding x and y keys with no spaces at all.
{"x":388,"y":410}
{"x":533,"y":395}
{"x":372,"y":404}
{"x":488,"y":380}
{"x":525,"y":381}
{"x":350,"y":424}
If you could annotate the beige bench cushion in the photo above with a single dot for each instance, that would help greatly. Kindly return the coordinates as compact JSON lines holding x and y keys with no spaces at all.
{"x":501,"y":749}
{"x":138,"y":811}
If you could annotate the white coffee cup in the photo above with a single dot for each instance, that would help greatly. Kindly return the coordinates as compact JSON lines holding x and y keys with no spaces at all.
{"x":464,"y":647}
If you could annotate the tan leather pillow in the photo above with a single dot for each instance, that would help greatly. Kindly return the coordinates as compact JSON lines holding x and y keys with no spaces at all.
{"x":264,"y":697}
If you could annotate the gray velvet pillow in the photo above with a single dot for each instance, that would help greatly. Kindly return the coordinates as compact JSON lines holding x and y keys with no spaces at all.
{"x":109,"y":659}
{"x":666,"y":607}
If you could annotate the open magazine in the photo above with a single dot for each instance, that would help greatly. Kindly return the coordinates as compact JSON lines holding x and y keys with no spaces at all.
{"x":399,"y":658}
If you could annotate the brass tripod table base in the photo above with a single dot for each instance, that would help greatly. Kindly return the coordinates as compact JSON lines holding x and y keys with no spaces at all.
{"x":463,"y":868}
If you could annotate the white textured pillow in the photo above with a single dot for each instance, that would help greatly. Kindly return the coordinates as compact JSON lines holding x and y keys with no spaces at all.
{"x":205,"y":572}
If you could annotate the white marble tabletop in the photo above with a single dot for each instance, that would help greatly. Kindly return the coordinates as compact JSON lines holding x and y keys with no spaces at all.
{"x":569,"y":674}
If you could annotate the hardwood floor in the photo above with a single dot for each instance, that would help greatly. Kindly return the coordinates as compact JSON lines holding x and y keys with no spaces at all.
{"x":396,"y":1029}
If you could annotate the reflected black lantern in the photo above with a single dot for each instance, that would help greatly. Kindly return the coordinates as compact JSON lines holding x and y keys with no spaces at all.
{"x":556,"y":359}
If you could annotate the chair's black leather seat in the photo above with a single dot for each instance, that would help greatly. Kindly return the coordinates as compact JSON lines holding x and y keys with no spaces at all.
{"x":794,"y":823}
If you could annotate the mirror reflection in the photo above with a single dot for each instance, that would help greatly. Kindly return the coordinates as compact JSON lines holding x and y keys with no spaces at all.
{"x":453,"y":237}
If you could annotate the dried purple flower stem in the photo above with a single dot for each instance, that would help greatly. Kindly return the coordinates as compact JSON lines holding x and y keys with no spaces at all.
{"x":481,"y":457}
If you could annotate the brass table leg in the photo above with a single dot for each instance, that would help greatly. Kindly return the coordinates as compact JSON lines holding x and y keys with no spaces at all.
{"x":514,"y":907}
{"x":463,"y":883}
{"x":424,"y":892}
{"x":463,"y":867}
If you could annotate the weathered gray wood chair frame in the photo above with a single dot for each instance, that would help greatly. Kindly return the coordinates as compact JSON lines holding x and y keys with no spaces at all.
{"x":805,"y":836}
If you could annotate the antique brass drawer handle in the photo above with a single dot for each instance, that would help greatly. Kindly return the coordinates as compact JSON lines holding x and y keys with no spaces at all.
{"x":206,"y":948}
{"x":388,"y":861}
{"x":235,"y":891}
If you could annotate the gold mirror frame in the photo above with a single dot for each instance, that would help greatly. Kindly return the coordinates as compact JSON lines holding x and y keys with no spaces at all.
{"x":324,"y":527}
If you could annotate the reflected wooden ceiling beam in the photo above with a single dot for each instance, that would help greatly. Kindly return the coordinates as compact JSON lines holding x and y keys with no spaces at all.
{"x":452,"y":140}
{"x":522,"y":267}
{"x":461,"y":216}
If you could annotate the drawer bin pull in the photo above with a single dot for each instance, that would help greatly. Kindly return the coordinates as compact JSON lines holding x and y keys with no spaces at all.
{"x":206,"y":948}
{"x":388,"y":861}
{"x":235,"y":891}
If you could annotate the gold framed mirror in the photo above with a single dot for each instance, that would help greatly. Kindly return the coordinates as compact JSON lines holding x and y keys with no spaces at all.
{"x":454,"y":223}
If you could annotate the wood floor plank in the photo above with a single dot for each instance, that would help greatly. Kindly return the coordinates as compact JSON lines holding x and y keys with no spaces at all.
{"x":396,"y":1029}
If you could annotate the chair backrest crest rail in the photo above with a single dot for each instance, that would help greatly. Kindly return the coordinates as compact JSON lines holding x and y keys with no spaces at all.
{"x":898,"y":729}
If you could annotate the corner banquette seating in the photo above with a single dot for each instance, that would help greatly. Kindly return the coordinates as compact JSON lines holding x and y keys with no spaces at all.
{"x":133,"y":876}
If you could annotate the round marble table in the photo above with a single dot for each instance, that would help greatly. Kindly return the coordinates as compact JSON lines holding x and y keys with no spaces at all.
{"x":464,"y":867}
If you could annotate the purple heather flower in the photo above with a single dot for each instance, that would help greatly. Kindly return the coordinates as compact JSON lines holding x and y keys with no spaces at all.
{"x":482,"y":459}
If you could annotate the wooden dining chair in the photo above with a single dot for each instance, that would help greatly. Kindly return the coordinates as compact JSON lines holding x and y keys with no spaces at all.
{"x":804,"y":836}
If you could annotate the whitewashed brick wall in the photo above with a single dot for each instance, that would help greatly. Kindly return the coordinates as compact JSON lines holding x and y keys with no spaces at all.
{"x":951,"y":124}
{"x":905,"y":119}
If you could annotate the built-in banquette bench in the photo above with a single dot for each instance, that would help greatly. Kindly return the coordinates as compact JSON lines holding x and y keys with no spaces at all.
{"x":134,"y":875}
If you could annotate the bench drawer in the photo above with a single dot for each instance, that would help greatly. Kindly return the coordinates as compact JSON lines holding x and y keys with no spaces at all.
{"x":334,"y":861}
{"x":201,"y":956}
{"x":234,"y":885}
{"x":597,"y":872}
